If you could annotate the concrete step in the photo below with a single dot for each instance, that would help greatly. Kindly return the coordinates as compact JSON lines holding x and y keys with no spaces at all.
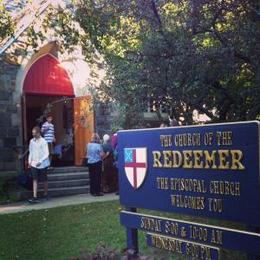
{"x":58,"y":192}
{"x":70,"y":169}
{"x":66,"y":183}
{"x":55,"y":192}
{"x":67,"y":176}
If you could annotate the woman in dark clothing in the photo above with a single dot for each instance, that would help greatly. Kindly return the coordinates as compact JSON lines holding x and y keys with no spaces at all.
{"x":108,"y":165}
{"x":94,"y":156}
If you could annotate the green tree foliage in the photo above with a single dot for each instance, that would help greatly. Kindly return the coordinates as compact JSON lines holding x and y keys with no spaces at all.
{"x":186,"y":54}
{"x":183,"y":54}
{"x":6,"y":23}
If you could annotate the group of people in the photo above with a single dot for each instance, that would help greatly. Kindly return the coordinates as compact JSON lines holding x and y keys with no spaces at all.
{"x":101,"y":159}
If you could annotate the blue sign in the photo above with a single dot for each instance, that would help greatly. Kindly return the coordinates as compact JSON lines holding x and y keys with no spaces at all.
{"x":209,"y":171}
{"x":208,"y":235}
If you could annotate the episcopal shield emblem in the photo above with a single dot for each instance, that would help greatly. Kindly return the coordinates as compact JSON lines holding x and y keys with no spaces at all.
{"x":135,"y":165}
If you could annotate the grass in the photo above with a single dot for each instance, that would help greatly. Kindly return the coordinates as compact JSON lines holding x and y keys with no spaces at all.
{"x":63,"y":232}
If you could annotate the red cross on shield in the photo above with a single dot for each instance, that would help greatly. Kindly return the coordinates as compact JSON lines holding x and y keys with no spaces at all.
{"x":135,"y":165}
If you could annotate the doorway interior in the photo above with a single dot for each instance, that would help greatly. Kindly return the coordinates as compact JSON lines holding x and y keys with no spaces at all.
{"x":62,"y":111}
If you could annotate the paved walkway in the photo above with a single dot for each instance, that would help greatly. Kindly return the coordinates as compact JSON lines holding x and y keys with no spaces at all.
{"x":55,"y":202}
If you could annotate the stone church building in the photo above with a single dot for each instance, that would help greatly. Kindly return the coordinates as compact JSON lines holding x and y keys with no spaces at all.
{"x":40,"y":77}
{"x":34,"y":82}
{"x":38,"y":80}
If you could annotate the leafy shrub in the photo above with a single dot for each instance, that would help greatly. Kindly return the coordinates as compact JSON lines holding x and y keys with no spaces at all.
{"x":105,"y":253}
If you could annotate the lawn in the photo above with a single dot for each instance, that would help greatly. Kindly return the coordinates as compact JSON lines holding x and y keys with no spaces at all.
{"x":63,"y":232}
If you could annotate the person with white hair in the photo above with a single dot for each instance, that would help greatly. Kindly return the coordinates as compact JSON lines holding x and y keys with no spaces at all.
{"x":108,"y":161}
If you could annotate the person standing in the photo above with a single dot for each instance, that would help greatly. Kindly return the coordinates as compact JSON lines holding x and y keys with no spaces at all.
{"x":114,"y":145}
{"x":173,"y":121}
{"x":49,"y":134}
{"x":38,"y":161}
{"x":94,"y":154}
{"x":108,"y":165}
{"x":116,"y":168}
{"x":114,"y":140}
{"x":163,"y":125}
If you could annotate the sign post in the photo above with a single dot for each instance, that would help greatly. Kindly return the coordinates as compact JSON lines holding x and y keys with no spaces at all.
{"x":132,"y":238}
{"x":210,"y":171}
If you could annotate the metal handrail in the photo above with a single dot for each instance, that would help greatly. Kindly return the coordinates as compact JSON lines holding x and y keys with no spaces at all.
{"x":21,"y":156}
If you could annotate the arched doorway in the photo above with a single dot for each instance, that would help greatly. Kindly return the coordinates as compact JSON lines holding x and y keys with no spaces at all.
{"x":45,"y":86}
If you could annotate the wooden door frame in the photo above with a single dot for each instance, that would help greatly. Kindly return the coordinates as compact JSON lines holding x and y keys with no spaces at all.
{"x":24,"y":118}
{"x":25,"y":143}
{"x":79,"y":129}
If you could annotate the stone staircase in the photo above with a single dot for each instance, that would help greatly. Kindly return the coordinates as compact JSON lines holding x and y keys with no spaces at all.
{"x":64,"y":181}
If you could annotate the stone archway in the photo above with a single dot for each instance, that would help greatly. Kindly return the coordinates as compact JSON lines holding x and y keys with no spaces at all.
{"x":25,"y":65}
{"x":45,"y":85}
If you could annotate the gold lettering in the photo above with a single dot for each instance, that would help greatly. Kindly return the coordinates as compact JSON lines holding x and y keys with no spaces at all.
{"x":190,"y":202}
{"x":167,"y":163}
{"x":225,"y":188}
{"x":151,"y":224}
{"x":237,"y":156}
{"x":156,"y":159}
{"x":162,"y":183}
{"x":189,"y":140}
{"x":216,"y":237}
{"x":166,"y":140}
{"x":215,"y":205}
{"x":198,"y":164}
{"x":210,"y":159}
{"x":187,"y":162}
{"x":198,"y":251}
{"x":224,"y":138}
{"x":171,"y":228}
{"x":167,"y":243}
{"x":176,"y":159}
{"x":199,"y":159}
{"x":237,"y":188}
{"x":158,"y":183}
{"x":231,"y":186}
{"x":223,"y":163}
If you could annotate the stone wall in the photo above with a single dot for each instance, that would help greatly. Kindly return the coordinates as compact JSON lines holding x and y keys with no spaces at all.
{"x":9,"y":118}
{"x":105,"y":118}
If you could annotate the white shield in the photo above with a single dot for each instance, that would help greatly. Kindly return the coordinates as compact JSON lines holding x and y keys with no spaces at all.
{"x":135,"y":165}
